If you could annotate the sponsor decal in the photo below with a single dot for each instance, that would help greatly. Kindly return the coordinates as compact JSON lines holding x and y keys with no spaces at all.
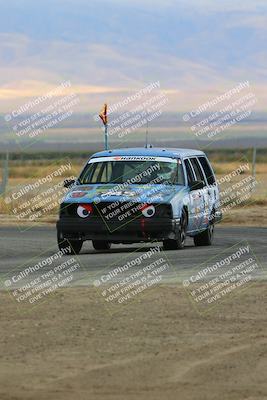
{"x":132,"y":158}
{"x":77,"y":194}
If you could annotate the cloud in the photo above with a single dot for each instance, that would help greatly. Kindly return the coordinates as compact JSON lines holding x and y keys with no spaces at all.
{"x":195,"y":48}
{"x":255,"y":22}
{"x":199,"y":5}
{"x":225,"y":6}
{"x":23,"y":89}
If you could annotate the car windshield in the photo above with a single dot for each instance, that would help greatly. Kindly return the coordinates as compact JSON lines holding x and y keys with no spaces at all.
{"x":133,"y":172}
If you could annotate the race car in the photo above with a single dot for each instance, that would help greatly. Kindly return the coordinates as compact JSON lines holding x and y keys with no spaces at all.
{"x":140,"y":195}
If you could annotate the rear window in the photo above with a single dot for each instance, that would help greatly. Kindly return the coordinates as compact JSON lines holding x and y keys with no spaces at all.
{"x":208,"y":172}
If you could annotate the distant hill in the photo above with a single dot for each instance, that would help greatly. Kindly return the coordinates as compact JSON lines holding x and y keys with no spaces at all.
{"x":81,"y":131}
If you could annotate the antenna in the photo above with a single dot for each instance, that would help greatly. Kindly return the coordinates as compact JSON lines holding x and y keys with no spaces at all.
{"x":146,"y":134}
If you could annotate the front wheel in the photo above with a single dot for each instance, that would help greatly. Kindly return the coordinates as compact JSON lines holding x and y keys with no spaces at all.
{"x":101,"y":244}
{"x":69,"y":247}
{"x":179,"y":243}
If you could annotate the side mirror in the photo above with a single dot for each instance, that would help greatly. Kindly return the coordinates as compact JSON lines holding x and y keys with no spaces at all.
{"x":68,"y":182}
{"x":196,"y":185}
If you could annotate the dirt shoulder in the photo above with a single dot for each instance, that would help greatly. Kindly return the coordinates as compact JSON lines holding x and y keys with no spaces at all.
{"x":247,"y":216}
{"x":156,"y":348}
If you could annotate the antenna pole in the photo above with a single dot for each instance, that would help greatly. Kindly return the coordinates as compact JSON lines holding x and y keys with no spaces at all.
{"x":104,"y":117}
{"x":106,"y":136}
{"x":146,"y":134}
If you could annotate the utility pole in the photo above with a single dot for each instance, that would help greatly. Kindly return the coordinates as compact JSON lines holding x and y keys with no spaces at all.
{"x":3,"y":184}
{"x":254,"y":161}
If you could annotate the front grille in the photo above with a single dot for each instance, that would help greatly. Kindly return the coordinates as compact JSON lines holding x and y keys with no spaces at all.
{"x":111,"y":211}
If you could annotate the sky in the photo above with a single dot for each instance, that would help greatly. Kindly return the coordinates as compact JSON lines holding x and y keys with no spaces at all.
{"x":107,"y":49}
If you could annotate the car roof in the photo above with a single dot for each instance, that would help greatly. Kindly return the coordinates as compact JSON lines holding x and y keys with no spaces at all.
{"x":151,"y":151}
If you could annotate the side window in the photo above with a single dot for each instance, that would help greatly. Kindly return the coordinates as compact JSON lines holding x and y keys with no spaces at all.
{"x":208,"y":172}
{"x":189,"y":172}
{"x":197,"y":169}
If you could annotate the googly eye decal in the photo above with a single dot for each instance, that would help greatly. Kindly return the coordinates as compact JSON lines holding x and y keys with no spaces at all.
{"x":84,"y":210}
{"x":148,"y":211}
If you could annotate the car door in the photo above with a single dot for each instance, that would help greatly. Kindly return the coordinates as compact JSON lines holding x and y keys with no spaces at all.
{"x":195,"y":204}
{"x":212,"y":189}
{"x":204,"y":211}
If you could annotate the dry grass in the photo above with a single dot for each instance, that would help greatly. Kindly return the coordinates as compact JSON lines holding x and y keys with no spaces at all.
{"x":26,"y":172}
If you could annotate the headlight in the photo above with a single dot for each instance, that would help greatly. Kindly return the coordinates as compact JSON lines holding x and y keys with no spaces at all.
{"x":84,"y":210}
{"x":148,"y":211}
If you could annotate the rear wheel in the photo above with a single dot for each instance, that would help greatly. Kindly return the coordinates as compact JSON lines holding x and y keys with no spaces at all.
{"x":205,"y":238}
{"x":179,"y":243}
{"x":101,"y":244}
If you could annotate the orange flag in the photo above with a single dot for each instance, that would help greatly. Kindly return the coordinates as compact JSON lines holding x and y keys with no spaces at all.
{"x":104,"y":114}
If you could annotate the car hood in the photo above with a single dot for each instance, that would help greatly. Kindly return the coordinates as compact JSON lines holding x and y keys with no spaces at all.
{"x":114,"y":192}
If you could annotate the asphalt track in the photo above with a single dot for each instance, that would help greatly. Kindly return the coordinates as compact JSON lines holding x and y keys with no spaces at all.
{"x":19,"y":249}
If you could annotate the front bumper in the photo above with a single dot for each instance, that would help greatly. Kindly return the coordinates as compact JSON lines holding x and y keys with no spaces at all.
{"x":137,"y":230}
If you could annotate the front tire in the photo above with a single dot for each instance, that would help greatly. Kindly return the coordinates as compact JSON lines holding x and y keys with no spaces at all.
{"x":179,"y":243}
{"x":69,"y":246}
{"x":101,"y":244}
